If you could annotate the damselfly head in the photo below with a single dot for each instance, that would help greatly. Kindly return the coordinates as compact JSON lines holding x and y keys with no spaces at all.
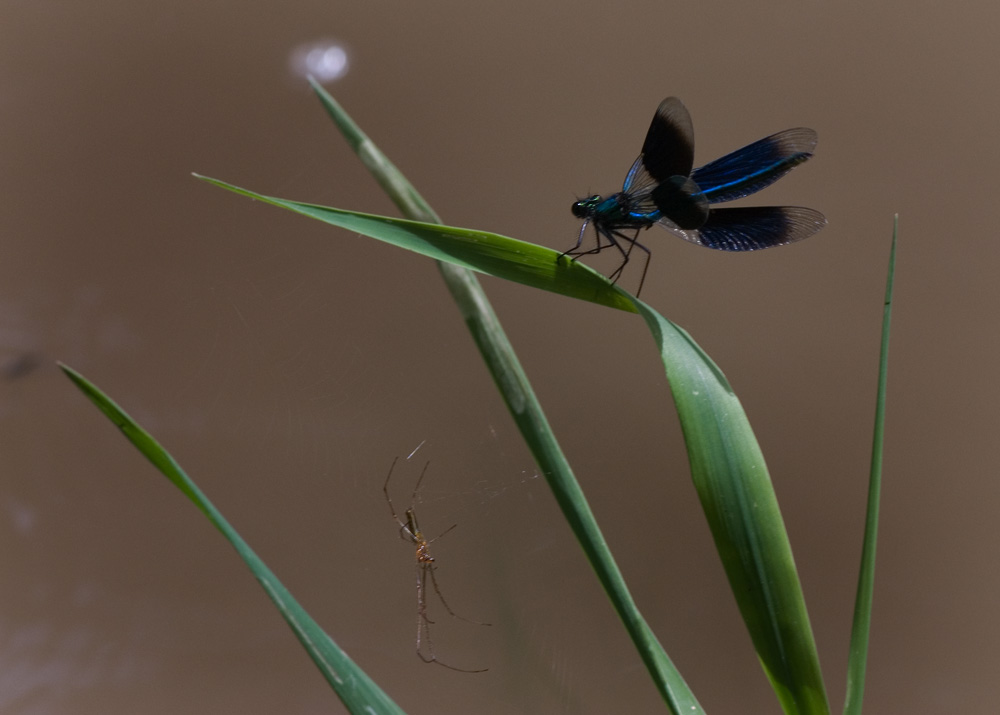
{"x":585,"y":207}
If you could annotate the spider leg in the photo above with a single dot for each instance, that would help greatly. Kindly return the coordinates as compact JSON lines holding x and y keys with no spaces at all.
{"x":388,"y":499}
{"x":437,"y":590}
{"x":424,"y":622}
{"x":442,"y":533}
{"x":416,"y":488}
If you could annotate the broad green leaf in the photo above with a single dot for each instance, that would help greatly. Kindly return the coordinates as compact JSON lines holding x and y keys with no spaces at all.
{"x":356,"y":690}
{"x":736,"y":494}
{"x":480,"y":251}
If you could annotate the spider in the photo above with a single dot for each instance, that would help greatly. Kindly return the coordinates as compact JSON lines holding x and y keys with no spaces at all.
{"x":409,"y":531}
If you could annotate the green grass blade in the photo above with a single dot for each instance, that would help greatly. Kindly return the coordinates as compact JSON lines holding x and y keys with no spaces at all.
{"x":480,"y":251}
{"x":396,"y":186}
{"x":736,"y":494}
{"x":357,"y":691}
{"x":858,"y":657}
{"x":517,"y":392}
{"x":530,"y":419}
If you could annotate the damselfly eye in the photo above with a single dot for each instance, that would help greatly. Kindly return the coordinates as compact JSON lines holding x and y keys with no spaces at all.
{"x":585,"y":207}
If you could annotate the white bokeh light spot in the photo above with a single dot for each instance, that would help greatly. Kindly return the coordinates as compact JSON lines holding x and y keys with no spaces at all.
{"x":325,"y":60}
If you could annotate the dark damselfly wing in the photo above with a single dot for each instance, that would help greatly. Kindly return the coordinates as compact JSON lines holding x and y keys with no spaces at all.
{"x":659,"y":178}
{"x":752,"y":228}
{"x":669,"y":146}
{"x":748,"y":170}
{"x":668,"y":149}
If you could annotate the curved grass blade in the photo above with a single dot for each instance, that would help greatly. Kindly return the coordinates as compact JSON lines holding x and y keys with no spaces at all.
{"x":356,"y":690}
{"x":736,"y":494}
{"x":481,"y":251}
{"x":858,"y":659}
{"x":517,"y":392}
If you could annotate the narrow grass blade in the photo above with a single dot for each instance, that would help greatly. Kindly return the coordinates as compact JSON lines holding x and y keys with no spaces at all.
{"x":356,"y":690}
{"x":396,"y":186}
{"x":520,"y":398}
{"x":858,"y":658}
{"x":738,"y":499}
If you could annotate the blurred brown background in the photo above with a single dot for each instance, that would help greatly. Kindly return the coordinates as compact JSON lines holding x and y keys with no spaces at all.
{"x":286,"y":363}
